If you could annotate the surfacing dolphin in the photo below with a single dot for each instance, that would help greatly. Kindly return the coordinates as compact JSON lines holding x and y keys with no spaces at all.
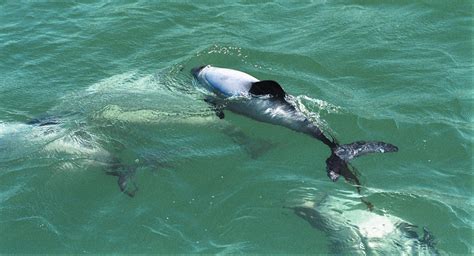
{"x":266,"y":101}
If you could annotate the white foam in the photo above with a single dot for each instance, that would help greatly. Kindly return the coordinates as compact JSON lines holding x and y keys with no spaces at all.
{"x":303,"y":102}
{"x":320,"y":104}
{"x":11,"y":128}
{"x":25,"y":132}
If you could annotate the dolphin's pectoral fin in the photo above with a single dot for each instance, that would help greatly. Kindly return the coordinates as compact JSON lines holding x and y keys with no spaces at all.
{"x":123,"y":181}
{"x":268,"y":87}
{"x":217,"y":107}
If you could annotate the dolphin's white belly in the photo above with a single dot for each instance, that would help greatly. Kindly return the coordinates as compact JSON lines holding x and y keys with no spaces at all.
{"x":227,"y":82}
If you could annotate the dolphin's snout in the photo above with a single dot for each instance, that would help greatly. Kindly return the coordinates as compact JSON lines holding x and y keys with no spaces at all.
{"x":195,"y":71}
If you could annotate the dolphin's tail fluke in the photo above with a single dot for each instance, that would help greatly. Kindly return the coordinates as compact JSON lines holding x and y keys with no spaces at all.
{"x":337,"y":163}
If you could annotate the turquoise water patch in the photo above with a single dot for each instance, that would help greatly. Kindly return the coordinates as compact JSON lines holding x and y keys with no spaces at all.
{"x":114,"y":78}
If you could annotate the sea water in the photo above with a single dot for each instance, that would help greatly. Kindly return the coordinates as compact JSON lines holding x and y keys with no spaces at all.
{"x":114,"y":77}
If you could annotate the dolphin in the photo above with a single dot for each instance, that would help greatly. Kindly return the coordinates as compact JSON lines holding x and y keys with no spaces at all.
{"x":266,"y":101}
{"x":354,"y":231}
{"x":83,"y":143}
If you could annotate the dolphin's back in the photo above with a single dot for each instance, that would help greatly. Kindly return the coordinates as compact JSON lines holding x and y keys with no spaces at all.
{"x":228,"y":82}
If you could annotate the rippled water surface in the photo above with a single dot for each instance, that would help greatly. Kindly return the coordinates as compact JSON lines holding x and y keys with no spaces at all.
{"x":112,"y":82}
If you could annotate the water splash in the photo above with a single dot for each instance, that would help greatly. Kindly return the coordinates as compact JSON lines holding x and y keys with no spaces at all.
{"x":312,"y":108}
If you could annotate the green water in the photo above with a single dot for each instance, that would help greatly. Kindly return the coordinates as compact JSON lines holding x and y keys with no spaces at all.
{"x":115,"y":77}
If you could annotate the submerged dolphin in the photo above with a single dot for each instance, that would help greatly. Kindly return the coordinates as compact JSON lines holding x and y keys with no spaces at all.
{"x":354,"y":231}
{"x":82,"y":143}
{"x":266,"y":101}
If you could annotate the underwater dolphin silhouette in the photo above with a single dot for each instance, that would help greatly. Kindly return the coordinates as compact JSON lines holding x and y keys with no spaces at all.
{"x":353,"y":230}
{"x":266,"y":101}
{"x":114,"y":167}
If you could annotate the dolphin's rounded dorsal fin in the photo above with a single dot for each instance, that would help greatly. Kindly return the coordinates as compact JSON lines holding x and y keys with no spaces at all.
{"x":268,"y":87}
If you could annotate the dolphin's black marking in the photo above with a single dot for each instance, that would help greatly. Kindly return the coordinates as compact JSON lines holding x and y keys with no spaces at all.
{"x":268,"y":87}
